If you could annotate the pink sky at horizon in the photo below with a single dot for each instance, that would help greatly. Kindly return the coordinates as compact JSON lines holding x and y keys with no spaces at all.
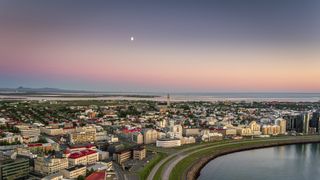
{"x":212,"y":69}
{"x":191,"y":47}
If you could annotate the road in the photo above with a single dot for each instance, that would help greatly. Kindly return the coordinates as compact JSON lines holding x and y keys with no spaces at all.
{"x":173,"y":162}
{"x":179,"y":153}
{"x":178,"y":156}
{"x":119,"y":172}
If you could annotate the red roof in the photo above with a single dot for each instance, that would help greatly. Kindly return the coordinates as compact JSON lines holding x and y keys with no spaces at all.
{"x":68,"y":128}
{"x":34,"y":145}
{"x":97,"y":176}
{"x":80,"y":154}
{"x":67,"y":151}
{"x":126,"y":130}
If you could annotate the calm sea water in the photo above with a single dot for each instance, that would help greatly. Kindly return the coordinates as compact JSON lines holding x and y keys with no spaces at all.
{"x":283,"y":97}
{"x":292,"y":162}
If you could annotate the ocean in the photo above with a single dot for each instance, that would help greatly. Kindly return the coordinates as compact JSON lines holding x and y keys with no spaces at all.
{"x":176,"y":97}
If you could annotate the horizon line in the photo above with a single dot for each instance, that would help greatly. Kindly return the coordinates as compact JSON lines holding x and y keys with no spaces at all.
{"x":162,"y":92}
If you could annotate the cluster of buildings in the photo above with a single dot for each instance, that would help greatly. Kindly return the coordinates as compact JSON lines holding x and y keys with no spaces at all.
{"x":138,"y":153}
{"x":73,"y":162}
{"x":99,"y":137}
{"x":56,"y":151}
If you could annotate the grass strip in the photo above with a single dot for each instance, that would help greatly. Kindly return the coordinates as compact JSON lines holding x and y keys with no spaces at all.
{"x":143,"y":174}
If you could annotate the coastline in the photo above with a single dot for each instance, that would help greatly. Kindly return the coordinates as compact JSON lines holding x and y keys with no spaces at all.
{"x":193,"y":172}
{"x":174,"y":97}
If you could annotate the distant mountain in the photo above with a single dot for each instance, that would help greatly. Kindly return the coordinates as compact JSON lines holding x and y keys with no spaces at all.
{"x":40,"y":90}
{"x":48,"y":92}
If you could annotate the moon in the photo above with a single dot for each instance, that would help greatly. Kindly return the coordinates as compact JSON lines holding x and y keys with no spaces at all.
{"x":131,"y":38}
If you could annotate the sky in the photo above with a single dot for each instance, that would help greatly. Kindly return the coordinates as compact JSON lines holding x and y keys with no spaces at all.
{"x":178,"y":46}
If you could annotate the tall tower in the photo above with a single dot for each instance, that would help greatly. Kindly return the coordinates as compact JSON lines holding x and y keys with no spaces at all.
{"x":282,"y":123}
{"x":168,"y":100}
{"x":306,"y":119}
{"x":315,"y":121}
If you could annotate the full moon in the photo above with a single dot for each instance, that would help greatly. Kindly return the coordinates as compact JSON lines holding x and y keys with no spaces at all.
{"x":132,"y":38}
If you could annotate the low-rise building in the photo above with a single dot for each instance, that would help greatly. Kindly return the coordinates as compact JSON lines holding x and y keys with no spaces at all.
{"x":167,"y":143}
{"x":271,"y":130}
{"x":149,"y":136}
{"x":244,"y":131}
{"x":191,"y":132}
{"x":122,"y":156}
{"x":51,"y":131}
{"x":161,"y":123}
{"x":74,"y":172}
{"x":28,"y":131}
{"x":101,"y":136}
{"x":112,"y":139}
{"x":83,"y":135}
{"x":255,"y":128}
{"x":50,"y":165}
{"x":231,"y":132}
{"x":37,"y":147}
{"x":83,"y":157}
{"x":68,"y":130}
{"x":103,"y":155}
{"x":81,"y":147}
{"x":139,"y":153}
{"x":188,"y":140}
{"x":23,"y":152}
{"x":11,"y":138}
{"x":30,"y":139}
{"x":137,"y":137}
{"x":175,"y":131}
{"x":101,"y":166}
{"x":207,"y":135}
{"x":283,"y":124}
{"x":13,"y":168}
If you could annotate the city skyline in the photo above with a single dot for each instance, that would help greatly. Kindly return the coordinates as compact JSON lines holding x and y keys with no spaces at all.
{"x":161,"y":46}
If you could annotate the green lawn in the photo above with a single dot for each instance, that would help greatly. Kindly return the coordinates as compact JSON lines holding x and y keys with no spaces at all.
{"x":179,"y":169}
{"x":143,"y":174}
{"x":159,"y":172}
{"x":184,"y":164}
{"x":188,"y":161}
{"x":203,"y":145}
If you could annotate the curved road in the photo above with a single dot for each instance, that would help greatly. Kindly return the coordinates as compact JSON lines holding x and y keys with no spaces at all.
{"x":178,"y":156}
{"x":156,"y":167}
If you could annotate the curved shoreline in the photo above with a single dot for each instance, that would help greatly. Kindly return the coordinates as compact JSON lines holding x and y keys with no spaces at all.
{"x":193,"y":172}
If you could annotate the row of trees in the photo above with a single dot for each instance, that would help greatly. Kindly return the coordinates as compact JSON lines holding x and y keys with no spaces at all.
{"x":122,"y":113}
{"x":9,"y":128}
{"x":5,"y":143}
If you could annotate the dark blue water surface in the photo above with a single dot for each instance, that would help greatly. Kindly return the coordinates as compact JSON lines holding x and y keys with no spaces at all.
{"x":292,"y":162}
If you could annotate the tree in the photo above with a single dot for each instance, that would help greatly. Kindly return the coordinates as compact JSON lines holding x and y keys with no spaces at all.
{"x":81,"y":177}
{"x":90,"y":171}
{"x":42,"y":140}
